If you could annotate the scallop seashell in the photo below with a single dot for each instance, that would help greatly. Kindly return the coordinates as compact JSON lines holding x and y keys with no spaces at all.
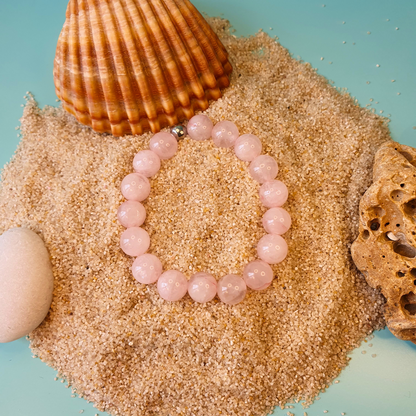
{"x":129,"y":66}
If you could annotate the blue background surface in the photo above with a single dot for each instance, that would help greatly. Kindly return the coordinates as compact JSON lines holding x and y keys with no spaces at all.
{"x":382,"y":386}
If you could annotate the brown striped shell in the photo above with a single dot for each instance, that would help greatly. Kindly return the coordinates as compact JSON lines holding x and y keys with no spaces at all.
{"x":129,"y":66}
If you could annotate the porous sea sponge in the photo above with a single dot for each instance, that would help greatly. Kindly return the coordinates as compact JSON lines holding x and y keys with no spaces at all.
{"x":385,"y":250}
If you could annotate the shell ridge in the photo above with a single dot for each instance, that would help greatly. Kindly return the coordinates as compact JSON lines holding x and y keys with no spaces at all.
{"x":65,"y":65}
{"x":115,"y":67}
{"x":89,"y":62}
{"x":138,"y":68}
{"x":152,"y":58}
{"x":62,"y":64}
{"x":124,"y":67}
{"x":105,"y":64}
{"x":219,"y":66}
{"x":190,"y":67}
{"x":57,"y":64}
{"x":78,"y":98}
{"x":150,"y":64}
{"x":205,"y":26}
{"x":178,"y":56}
{"x":195,"y":51}
{"x":71,"y":8}
{"x":195,"y":22}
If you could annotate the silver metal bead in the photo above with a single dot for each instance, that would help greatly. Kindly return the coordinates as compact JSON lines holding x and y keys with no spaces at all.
{"x":179,"y":132}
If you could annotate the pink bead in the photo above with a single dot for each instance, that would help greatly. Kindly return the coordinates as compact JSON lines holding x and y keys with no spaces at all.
{"x":202,"y":287}
{"x":248,"y":147}
{"x":276,"y":221}
{"x":147,"y":268}
{"x":273,"y":194}
{"x":172,"y":285}
{"x":200,"y":127}
{"x":134,"y":241}
{"x":164,"y":145}
{"x":224,"y":134}
{"x":147,"y":163}
{"x":231,"y":289}
{"x":131,"y":214}
{"x":135,"y":187}
{"x":272,"y":248}
{"x":263,"y":168}
{"x":258,"y":275}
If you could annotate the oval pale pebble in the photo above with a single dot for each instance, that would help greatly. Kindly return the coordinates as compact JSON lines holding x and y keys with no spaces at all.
{"x":224,"y":134}
{"x":231,"y":289}
{"x":26,"y":283}
{"x":172,"y":285}
{"x":131,"y":214}
{"x":200,"y":127}
{"x":135,"y":241}
{"x":135,"y":187}
{"x":258,"y":275}
{"x":263,"y":168}
{"x":276,"y":221}
{"x":202,"y":287}
{"x":272,"y":248}
{"x":247,"y":147}
{"x":273,"y":194}
{"x":147,"y":163}
{"x":164,"y":145}
{"x":147,"y":268}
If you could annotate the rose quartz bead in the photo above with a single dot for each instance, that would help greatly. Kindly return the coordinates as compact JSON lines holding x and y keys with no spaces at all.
{"x":147,"y":163}
{"x":224,"y":134}
{"x":202,"y":287}
{"x":200,"y":127}
{"x":263,"y":168}
{"x":147,"y":268}
{"x":258,"y":275}
{"x":273,"y":194}
{"x":135,"y":187}
{"x":172,"y":285}
{"x":164,"y":145}
{"x":248,"y":147}
{"x":231,"y":289}
{"x":272,"y":248}
{"x":131,"y":214}
{"x":276,"y":221}
{"x":135,"y":241}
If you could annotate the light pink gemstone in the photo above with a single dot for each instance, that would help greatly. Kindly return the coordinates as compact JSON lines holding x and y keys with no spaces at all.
{"x":200,"y":127}
{"x":224,"y":134}
{"x":164,"y":145}
{"x":147,"y":163}
{"x":248,"y":147}
{"x":273,"y":194}
{"x":135,"y":241}
{"x":131,"y":214}
{"x":263,"y":168}
{"x":258,"y":275}
{"x":147,"y":268}
{"x":272,"y":248}
{"x":276,"y":221}
{"x":172,"y":285}
{"x":202,"y":287}
{"x":231,"y":289}
{"x":135,"y":187}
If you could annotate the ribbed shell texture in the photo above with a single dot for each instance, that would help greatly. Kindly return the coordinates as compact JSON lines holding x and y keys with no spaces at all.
{"x":129,"y":66}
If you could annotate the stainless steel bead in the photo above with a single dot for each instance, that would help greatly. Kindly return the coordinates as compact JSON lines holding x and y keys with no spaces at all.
{"x":179,"y":132}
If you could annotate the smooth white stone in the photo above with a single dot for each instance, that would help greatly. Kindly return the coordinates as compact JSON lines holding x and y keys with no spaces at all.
{"x":26,"y":283}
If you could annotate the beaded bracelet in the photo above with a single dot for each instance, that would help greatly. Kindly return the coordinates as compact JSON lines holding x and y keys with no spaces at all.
{"x":172,"y":285}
